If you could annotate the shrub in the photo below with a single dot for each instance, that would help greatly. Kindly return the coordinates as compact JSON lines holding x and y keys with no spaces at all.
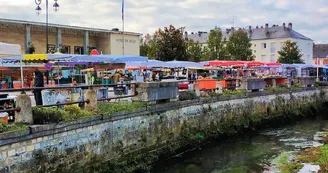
{"x":233,"y":92}
{"x":111,"y":108}
{"x":187,"y":95}
{"x":48,"y":115}
{"x":74,"y":113}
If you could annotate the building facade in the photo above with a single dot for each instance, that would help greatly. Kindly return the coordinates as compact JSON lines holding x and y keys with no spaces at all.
{"x":320,"y":54}
{"x":267,"y":41}
{"x":68,"y":39}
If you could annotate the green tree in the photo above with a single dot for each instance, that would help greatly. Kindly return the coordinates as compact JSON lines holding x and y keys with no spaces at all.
{"x":194,"y":50}
{"x":215,"y":45}
{"x":144,"y":47}
{"x":239,"y":46}
{"x":205,"y":54}
{"x":170,"y":44}
{"x":290,"y":53}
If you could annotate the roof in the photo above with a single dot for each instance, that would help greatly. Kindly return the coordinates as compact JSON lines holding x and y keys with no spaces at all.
{"x":3,"y":20}
{"x":320,"y":50}
{"x":256,"y":34}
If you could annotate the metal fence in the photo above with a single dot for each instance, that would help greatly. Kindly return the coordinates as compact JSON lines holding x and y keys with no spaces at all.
{"x":83,"y":87}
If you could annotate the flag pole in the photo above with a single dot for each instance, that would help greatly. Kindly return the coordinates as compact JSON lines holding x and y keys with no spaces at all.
{"x":123,"y":43}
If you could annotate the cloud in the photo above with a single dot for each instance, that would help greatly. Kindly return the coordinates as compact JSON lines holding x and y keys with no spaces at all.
{"x":145,"y":16}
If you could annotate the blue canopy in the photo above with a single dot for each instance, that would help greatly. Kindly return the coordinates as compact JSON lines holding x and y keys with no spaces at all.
{"x":186,"y":64}
{"x":149,"y":64}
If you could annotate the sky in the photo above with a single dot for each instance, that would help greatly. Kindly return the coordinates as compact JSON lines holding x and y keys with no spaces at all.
{"x":309,"y":17}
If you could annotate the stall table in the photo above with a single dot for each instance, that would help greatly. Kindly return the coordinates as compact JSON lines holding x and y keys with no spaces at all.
{"x":229,"y":83}
{"x":207,"y":84}
{"x":279,"y":81}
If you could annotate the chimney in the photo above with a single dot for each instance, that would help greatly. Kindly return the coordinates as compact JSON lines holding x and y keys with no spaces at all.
{"x":290,"y":26}
{"x":284,"y":25}
{"x":266,"y":29}
{"x":186,"y":35}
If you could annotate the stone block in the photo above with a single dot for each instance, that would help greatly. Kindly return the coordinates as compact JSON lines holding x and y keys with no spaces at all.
{"x":37,"y":146}
{"x":39,"y":139}
{"x":30,"y":148}
{"x":91,"y":95}
{"x":4,"y":154}
{"x":11,"y":153}
{"x":25,"y":115}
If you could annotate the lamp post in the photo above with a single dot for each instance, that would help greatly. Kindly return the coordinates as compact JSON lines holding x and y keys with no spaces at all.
{"x":38,"y":12}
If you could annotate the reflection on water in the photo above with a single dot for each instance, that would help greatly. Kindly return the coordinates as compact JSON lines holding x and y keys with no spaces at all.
{"x":251,"y":152}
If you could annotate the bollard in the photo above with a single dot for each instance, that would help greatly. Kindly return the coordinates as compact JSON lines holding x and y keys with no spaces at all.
{"x":24,"y":116}
{"x":133,"y":89}
{"x":196,"y":88}
{"x":91,"y":95}
{"x":274,"y":83}
{"x":218,"y":88}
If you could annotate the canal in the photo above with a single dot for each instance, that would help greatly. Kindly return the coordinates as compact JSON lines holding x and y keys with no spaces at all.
{"x":250,"y":152}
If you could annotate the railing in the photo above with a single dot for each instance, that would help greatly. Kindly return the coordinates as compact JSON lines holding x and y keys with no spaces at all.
{"x":18,"y":109}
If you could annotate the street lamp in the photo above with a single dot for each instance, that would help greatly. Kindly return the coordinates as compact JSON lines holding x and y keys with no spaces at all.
{"x":38,"y":12}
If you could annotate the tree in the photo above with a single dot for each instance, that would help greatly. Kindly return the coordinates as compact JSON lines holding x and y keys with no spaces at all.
{"x":194,"y":50}
{"x":170,"y":44}
{"x":144,"y":47}
{"x":215,"y":45}
{"x":290,"y":53}
{"x":239,"y":46}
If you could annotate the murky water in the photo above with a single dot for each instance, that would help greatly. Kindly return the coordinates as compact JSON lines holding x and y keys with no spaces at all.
{"x":254,"y":152}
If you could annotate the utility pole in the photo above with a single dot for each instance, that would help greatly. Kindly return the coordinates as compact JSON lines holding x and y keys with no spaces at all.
{"x":233,"y":20}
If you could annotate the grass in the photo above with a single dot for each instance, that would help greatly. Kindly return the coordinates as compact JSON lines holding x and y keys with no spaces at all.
{"x":235,"y":170}
{"x":317,"y":156}
{"x":286,"y":166}
{"x":233,"y":92}
{"x":111,"y":108}
{"x":12,"y":127}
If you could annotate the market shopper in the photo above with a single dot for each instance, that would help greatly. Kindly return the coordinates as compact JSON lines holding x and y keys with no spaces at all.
{"x":38,"y":82}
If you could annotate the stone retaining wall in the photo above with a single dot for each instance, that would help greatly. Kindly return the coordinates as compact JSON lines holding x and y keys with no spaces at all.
{"x":67,"y":146}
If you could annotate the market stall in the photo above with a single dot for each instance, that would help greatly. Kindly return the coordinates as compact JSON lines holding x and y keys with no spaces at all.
{"x":6,"y":101}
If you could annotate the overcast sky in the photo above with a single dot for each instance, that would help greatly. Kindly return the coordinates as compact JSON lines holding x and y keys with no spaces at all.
{"x":309,"y":17}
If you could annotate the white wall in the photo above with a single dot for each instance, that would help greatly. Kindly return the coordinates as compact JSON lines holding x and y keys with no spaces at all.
{"x":271,"y":55}
{"x":131,"y":46}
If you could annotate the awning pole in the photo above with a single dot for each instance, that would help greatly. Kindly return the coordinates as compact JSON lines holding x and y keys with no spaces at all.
{"x":21,"y":68}
{"x":58,"y":72}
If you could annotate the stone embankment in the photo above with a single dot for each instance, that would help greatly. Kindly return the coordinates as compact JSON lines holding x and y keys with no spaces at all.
{"x":129,"y":142}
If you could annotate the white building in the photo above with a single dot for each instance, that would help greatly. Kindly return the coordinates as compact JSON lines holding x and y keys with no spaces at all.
{"x":267,"y":41}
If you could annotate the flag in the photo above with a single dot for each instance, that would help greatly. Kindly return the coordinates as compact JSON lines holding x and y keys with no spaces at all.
{"x":122,"y":9}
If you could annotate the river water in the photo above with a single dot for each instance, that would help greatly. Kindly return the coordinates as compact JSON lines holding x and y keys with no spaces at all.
{"x":254,"y":152}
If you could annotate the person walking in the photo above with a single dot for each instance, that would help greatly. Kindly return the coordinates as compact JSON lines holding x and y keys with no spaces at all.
{"x":38,"y":82}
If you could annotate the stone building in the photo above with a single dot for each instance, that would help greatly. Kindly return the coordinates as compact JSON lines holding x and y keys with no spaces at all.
{"x":67,"y":39}
{"x":267,"y":41}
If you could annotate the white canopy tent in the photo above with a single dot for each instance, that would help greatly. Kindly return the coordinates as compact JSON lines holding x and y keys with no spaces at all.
{"x":10,"y":50}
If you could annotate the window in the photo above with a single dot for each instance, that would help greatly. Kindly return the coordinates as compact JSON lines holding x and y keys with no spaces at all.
{"x":78,"y":50}
{"x":263,"y":57}
{"x":273,"y":47}
{"x":254,"y":45}
{"x":254,"y":51}
{"x":273,"y":58}
{"x":263,"y":45}
{"x":66,"y":49}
